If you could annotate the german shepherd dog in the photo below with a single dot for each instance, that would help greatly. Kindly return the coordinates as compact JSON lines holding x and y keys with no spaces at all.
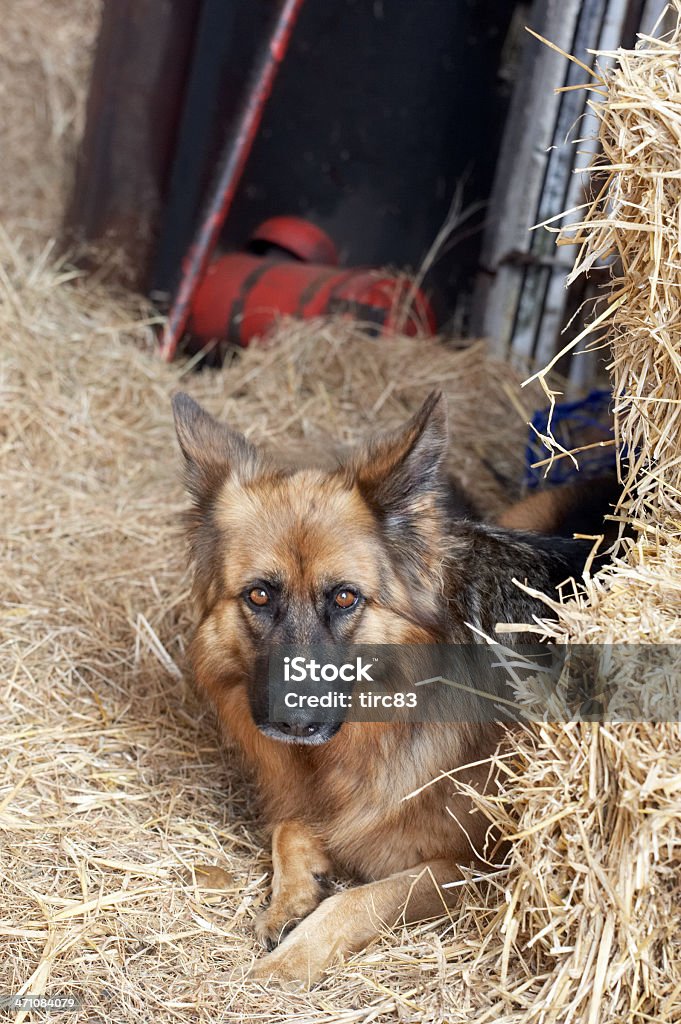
{"x":370,"y":552}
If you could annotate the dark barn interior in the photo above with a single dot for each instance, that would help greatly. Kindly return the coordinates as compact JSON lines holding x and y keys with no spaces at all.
{"x":380,"y":112}
{"x":365,"y":133}
{"x":406,"y":132}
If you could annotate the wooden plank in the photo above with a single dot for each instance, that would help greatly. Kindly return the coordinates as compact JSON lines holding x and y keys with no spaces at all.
{"x":138,"y":77}
{"x":605,"y":32}
{"x":658,"y":17}
{"x":584,"y":367}
{"x":521,"y":171}
{"x":534,"y":293}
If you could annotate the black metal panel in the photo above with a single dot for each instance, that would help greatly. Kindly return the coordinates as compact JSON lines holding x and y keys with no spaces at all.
{"x":380,"y":108}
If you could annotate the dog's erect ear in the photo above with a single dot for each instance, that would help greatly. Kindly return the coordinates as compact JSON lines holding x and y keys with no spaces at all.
{"x":399,"y":474}
{"x":213,"y":452}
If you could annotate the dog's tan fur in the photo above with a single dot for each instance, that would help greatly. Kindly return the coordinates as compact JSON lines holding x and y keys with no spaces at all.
{"x":377,"y":521}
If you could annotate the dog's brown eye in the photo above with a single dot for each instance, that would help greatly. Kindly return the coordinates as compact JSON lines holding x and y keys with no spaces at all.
{"x":346,"y":598}
{"x":259,"y":597}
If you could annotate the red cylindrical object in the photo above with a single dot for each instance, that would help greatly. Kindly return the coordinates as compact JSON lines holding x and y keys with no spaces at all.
{"x":298,"y":237}
{"x":241,"y":296}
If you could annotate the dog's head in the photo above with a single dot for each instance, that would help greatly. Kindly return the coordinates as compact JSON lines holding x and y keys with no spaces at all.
{"x":311,"y":557}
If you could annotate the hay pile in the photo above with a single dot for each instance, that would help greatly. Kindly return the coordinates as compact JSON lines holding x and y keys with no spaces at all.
{"x":114,"y":793}
{"x":45,"y":54}
{"x":113,"y":789}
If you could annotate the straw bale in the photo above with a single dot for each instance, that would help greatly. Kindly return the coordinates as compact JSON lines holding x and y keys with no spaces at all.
{"x":592,"y":928}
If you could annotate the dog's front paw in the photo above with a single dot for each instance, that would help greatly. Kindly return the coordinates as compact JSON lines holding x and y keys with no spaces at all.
{"x":303,"y":956}
{"x":282,"y":915}
{"x":272,"y":925}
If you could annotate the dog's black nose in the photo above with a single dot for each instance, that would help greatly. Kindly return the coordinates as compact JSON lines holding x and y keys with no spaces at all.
{"x":298,"y":729}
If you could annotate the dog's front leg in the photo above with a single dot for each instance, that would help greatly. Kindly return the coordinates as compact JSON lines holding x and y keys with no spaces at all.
{"x":300,"y":865}
{"x":348,"y":921}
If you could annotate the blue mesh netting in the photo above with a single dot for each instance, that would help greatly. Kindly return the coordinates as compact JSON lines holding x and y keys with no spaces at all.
{"x":573,"y":424}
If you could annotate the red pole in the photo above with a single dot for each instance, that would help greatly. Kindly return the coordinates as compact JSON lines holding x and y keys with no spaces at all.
{"x":232,"y":164}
